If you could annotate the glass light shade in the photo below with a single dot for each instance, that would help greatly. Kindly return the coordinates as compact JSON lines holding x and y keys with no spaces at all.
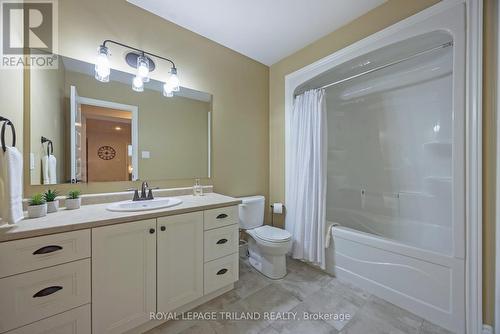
{"x":138,"y":84}
{"x":102,"y":68}
{"x":143,"y":68}
{"x":173,"y":81}
{"x":167,"y":91}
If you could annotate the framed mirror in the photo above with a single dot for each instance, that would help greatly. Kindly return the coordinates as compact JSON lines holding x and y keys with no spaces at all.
{"x":84,"y":130}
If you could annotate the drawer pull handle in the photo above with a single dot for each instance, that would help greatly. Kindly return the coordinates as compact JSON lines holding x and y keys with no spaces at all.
{"x":47,"y":291}
{"x":47,"y":249}
{"x":222,"y":271}
{"x":221,"y":216}
{"x":221,"y":241}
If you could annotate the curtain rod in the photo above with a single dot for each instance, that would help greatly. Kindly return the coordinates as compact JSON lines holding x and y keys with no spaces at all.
{"x":381,"y":67}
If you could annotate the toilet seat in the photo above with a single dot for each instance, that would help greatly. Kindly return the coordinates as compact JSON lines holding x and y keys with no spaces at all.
{"x":272,"y":234}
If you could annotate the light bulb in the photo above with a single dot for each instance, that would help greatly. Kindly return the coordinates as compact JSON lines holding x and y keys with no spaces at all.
{"x":143,"y":68}
{"x":167,"y":90}
{"x":173,"y":81}
{"x":138,"y":84}
{"x":102,"y":69}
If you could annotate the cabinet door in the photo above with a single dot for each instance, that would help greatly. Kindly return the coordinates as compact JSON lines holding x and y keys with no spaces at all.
{"x":123,"y":276}
{"x":180,"y":260}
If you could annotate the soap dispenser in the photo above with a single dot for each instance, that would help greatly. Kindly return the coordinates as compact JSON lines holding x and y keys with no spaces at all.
{"x":197,"y":188}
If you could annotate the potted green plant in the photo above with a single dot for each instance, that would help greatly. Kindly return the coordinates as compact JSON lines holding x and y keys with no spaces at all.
{"x":73,"y":201}
{"x":50,"y":197}
{"x":37,"y":206}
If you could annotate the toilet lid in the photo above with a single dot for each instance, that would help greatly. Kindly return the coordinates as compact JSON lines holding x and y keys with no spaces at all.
{"x":271,"y":234}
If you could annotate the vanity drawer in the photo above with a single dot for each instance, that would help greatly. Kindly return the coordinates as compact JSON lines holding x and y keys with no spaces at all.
{"x":75,"y":321}
{"x":220,"y":272}
{"x":42,"y":293}
{"x":220,"y":217}
{"x":220,"y":242}
{"x":23,"y":255}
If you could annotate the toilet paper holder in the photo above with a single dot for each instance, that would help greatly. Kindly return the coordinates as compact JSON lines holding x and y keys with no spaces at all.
{"x":272,"y":213}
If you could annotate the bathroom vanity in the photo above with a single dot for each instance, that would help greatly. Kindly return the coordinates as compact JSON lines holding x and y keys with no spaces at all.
{"x":96,"y":271}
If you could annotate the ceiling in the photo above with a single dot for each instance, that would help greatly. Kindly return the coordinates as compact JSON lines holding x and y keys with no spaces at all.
{"x":264,"y":30}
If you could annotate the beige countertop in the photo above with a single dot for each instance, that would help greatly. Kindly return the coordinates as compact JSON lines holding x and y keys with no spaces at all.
{"x":89,"y":216}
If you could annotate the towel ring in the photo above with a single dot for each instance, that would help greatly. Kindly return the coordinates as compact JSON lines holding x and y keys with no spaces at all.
{"x":50,"y":145}
{"x":9,"y":123}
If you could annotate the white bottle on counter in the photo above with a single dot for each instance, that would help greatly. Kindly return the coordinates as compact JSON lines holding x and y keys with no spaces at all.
{"x":197,"y":188}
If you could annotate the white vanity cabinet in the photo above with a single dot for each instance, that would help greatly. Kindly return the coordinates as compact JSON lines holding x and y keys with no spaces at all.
{"x":180,"y":260}
{"x":109,"y":279}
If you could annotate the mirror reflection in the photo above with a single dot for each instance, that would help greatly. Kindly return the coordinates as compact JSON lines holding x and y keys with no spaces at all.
{"x":83,"y":130}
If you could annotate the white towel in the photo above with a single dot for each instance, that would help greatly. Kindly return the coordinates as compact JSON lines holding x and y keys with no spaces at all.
{"x":11,"y":185}
{"x":45,"y":170}
{"x":328,"y":232}
{"x":52,"y":169}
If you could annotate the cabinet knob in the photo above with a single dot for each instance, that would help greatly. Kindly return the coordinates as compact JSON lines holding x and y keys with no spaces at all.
{"x":163,"y":228}
{"x":221,"y":216}
{"x":151,"y":230}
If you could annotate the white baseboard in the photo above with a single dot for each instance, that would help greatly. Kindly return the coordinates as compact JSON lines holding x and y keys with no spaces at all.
{"x":487,"y":329}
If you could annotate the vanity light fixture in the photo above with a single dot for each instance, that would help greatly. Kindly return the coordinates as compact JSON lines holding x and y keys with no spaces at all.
{"x":143,"y":68}
{"x":102,"y":69}
{"x":142,"y":61}
{"x":172,"y":85}
{"x":138,"y":84}
{"x":173,"y":81}
{"x":167,"y":91}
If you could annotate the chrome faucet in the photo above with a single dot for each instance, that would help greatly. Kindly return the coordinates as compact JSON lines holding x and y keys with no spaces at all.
{"x":144,"y":188}
{"x":146,"y":192}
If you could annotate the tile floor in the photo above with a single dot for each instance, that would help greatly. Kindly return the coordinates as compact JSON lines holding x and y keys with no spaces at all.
{"x":305,"y":290}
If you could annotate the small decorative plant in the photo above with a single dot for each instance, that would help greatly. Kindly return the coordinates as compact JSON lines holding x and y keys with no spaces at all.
{"x":36,"y":199}
{"x":37,"y":206}
{"x":74,"y":194}
{"x":73,"y":201}
{"x":50,"y":197}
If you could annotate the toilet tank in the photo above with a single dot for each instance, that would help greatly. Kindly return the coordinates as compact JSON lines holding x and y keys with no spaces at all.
{"x":251,"y":212}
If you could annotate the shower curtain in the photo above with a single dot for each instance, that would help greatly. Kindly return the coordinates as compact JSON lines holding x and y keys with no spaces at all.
{"x":306,"y":179}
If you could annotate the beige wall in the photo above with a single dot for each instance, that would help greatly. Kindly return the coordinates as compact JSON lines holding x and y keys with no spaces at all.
{"x":489,"y":160}
{"x":239,"y":86}
{"x":47,"y":119}
{"x":174,"y":130}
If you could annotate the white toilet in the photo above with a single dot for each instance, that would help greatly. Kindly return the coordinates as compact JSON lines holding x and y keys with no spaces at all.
{"x":267,"y":245}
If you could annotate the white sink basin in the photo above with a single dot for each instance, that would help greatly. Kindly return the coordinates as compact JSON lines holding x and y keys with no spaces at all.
{"x":157,"y":203}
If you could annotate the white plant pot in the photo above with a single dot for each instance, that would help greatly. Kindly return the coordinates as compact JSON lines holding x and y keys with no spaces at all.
{"x":73,"y":204}
{"x":52,"y":206}
{"x":37,"y":211}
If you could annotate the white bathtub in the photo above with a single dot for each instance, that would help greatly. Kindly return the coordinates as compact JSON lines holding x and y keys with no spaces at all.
{"x":424,"y":282}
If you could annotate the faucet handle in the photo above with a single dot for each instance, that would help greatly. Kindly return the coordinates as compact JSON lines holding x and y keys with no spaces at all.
{"x":150,"y":194}
{"x":136,"y":195}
